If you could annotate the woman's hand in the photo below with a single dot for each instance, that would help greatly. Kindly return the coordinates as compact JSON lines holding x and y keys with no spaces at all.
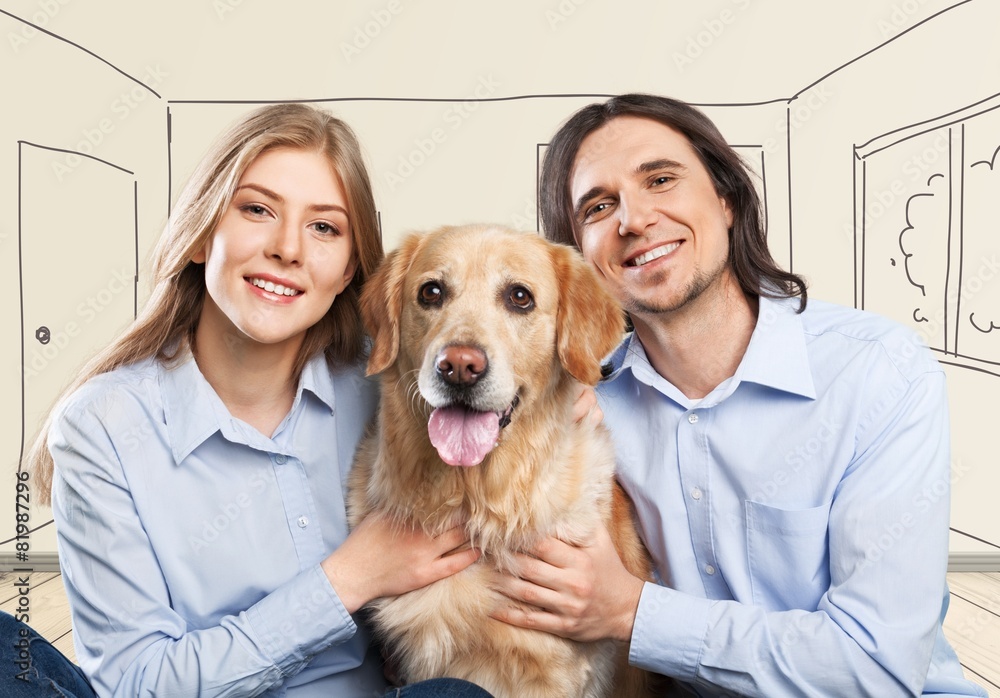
{"x":381,"y":558}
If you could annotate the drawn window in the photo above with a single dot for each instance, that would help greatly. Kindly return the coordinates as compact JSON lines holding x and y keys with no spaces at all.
{"x":926,"y":237}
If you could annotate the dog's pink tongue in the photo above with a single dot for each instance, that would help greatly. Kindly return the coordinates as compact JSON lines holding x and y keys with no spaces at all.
{"x":461,"y":436}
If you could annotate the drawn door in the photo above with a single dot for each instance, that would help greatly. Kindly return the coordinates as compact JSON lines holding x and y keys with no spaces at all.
{"x":77,"y":292}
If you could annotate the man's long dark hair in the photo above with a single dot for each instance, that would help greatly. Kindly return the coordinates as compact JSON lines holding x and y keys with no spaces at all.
{"x":754,"y":268}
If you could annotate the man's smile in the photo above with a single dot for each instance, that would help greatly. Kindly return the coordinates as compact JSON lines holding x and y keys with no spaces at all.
{"x":654,"y":253}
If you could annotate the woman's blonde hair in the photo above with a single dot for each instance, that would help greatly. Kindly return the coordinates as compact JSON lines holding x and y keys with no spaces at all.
{"x":171,"y":314}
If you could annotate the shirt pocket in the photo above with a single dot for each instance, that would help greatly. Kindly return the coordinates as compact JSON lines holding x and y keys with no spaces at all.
{"x":788,"y":555}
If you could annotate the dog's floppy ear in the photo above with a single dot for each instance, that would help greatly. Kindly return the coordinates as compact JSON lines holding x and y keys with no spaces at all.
{"x":590,"y":323}
{"x":382,"y":304}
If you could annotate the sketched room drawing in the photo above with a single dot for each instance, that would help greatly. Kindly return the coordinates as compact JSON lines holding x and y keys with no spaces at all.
{"x":879,"y":169}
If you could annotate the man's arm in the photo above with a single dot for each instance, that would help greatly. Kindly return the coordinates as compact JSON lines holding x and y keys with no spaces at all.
{"x":874,"y":628}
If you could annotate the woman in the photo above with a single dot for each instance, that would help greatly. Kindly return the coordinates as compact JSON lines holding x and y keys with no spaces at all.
{"x":200,"y":459}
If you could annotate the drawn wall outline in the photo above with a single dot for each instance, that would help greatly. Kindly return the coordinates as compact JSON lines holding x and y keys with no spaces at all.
{"x":787,"y":103}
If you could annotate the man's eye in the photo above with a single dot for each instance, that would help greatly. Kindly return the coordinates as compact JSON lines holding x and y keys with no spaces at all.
{"x":662,"y":180}
{"x":596,"y":210}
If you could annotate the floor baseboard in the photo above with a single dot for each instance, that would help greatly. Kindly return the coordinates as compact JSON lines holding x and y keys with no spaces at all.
{"x":974,"y":562}
{"x":49,"y":562}
{"x":37,"y":562}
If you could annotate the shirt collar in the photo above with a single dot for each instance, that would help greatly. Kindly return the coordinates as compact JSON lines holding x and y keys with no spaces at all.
{"x":631,"y":355}
{"x":188,"y":404}
{"x":194,"y":411}
{"x":317,"y":379}
{"x":778,"y":333}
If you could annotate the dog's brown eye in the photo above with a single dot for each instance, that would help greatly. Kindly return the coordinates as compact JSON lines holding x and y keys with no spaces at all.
{"x":430,"y":293}
{"x":520,"y":298}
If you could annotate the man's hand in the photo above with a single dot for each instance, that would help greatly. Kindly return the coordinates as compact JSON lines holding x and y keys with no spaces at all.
{"x":380,"y":558}
{"x":586,"y":407}
{"x":580,"y":592}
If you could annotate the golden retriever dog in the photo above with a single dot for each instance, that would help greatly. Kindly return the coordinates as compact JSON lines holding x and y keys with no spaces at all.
{"x":480,"y":334}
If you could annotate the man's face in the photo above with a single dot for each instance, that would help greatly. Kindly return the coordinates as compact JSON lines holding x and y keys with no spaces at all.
{"x":647,"y":216}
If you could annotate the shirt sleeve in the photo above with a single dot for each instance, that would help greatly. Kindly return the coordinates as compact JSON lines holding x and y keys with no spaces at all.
{"x":128,"y":639}
{"x":875,"y":627}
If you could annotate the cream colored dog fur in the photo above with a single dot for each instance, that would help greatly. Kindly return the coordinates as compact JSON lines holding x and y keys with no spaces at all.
{"x":473,"y":328}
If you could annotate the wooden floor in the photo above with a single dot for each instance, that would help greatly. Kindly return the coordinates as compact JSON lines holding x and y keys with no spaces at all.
{"x":972,"y":625}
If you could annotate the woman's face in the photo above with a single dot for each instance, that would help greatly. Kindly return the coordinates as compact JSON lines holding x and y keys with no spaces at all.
{"x":283,"y":250}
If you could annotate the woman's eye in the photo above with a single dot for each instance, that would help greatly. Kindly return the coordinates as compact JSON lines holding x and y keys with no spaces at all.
{"x":254,"y":209}
{"x":430,"y":294}
{"x":520,"y":298}
{"x":325,"y":228}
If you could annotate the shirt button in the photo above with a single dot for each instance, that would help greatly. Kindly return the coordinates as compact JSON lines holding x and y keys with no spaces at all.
{"x":280,"y":459}
{"x":696,"y":493}
{"x":693,"y":418}
{"x":303,"y":521}
{"x":709,"y":569}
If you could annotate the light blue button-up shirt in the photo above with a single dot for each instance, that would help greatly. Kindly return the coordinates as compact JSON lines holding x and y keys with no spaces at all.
{"x":797,"y":514}
{"x":190,"y":543}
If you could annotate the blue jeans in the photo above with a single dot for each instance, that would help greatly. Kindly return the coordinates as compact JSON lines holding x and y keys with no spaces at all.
{"x":31,"y":667}
{"x":439,"y":688}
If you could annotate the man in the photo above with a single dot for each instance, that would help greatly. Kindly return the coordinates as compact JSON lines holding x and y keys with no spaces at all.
{"x":779,"y":453}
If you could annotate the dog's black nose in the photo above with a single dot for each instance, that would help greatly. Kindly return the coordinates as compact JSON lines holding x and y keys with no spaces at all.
{"x":461,"y":364}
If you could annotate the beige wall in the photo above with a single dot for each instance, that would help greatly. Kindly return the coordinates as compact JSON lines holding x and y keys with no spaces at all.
{"x":454,"y":107}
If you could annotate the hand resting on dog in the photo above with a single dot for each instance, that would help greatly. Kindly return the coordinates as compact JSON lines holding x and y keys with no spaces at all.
{"x":581,"y":592}
{"x":380,"y":558}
